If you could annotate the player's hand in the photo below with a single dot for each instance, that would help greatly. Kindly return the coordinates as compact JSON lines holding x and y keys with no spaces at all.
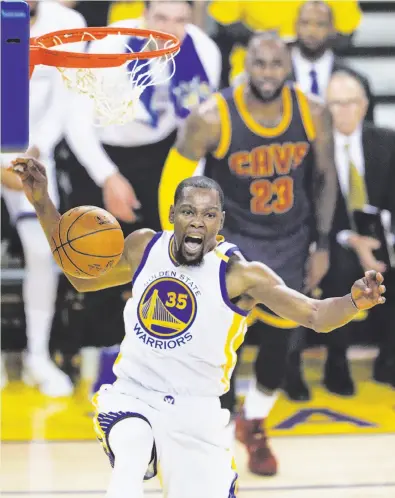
{"x":33,"y":176}
{"x":8,"y":177}
{"x":368,"y":291}
{"x":316,"y":268}
{"x":120,"y":198}
{"x":364,"y":247}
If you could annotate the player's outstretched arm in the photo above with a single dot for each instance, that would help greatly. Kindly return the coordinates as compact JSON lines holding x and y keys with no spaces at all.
{"x":35,"y":185}
{"x":199,"y":135}
{"x":266,"y":287}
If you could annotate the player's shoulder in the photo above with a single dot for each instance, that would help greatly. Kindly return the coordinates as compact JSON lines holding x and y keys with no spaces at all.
{"x":137,"y":243}
{"x":209,"y":110}
{"x":139,"y":239}
{"x":205,"y":116}
{"x":246,"y":274}
{"x":63,"y":17}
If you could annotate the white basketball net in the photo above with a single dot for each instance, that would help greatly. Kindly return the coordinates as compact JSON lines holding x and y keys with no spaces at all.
{"x":115,"y":91}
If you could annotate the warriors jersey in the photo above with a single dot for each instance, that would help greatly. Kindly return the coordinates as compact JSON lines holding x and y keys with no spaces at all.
{"x":182,"y":330}
{"x":263,"y":170}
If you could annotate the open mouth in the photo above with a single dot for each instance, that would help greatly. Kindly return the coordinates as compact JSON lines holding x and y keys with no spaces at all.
{"x":268,"y":86}
{"x":193,"y":243}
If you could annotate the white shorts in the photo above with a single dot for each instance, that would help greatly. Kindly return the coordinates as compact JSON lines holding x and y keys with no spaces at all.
{"x":190,"y":441}
{"x":17,"y":204}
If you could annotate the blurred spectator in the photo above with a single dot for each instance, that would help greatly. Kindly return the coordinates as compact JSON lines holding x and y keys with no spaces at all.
{"x":365,"y":163}
{"x":126,"y":161}
{"x":119,"y":11}
{"x":259,"y":140}
{"x":40,"y":282}
{"x":103,"y":13}
{"x":239,"y":19}
{"x":313,"y":59}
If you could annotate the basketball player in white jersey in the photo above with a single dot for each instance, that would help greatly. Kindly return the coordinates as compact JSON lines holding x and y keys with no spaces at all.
{"x":192,"y":293}
{"x":40,"y":282}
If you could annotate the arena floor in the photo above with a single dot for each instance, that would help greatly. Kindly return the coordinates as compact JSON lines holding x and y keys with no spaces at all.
{"x":327,"y":447}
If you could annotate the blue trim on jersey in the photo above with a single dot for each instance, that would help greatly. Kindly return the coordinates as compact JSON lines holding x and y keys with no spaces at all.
{"x":145,"y":255}
{"x":232,"y":490}
{"x":26,"y":215}
{"x":222,"y":281}
{"x":171,"y":253}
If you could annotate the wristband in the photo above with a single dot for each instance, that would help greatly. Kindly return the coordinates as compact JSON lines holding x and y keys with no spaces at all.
{"x":323,"y":242}
{"x":354,"y":303}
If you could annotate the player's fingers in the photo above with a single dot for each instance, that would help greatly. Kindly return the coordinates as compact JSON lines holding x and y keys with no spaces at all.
{"x":20,"y":160}
{"x":371,"y":274}
{"x":23,"y":165}
{"x":379,"y":278}
{"x":127,"y":216}
{"x":382,"y":289}
{"x":381,"y":300}
{"x":37,"y":173}
{"x":132,"y":199}
{"x":18,"y":169}
{"x":38,"y":166}
{"x":21,"y":170}
{"x":308,"y":285}
{"x":123,"y":212}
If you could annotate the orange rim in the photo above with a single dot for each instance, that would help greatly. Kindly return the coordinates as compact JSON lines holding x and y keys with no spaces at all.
{"x":41,"y":53}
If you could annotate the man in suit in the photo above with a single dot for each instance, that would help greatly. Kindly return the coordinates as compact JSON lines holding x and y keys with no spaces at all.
{"x":365,"y":164}
{"x":313,"y":58}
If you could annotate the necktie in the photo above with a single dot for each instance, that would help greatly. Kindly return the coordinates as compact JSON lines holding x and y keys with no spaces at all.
{"x":357,"y":194}
{"x":314,"y":82}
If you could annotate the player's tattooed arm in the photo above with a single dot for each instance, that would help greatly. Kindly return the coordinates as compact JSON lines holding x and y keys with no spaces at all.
{"x":201,"y":131}
{"x":324,"y":178}
{"x":264,"y":286}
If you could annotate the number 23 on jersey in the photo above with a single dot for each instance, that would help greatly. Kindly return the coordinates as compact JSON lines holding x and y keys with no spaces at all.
{"x":272,"y":196}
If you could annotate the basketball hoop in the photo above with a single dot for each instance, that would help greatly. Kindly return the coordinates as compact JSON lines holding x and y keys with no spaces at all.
{"x":114,"y":81}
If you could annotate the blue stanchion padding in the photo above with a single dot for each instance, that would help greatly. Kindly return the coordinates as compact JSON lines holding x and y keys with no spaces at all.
{"x":15,"y":34}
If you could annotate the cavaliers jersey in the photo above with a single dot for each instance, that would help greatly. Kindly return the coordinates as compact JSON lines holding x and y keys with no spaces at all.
{"x":263,"y":170}
{"x":182,"y":330}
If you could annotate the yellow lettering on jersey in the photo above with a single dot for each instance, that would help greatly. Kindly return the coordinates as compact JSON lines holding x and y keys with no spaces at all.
{"x":177,"y":300}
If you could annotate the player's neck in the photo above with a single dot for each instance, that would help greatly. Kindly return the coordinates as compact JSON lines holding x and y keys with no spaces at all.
{"x":266,"y":113}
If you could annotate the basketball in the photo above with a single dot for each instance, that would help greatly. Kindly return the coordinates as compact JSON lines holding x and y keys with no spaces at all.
{"x":87,"y":242}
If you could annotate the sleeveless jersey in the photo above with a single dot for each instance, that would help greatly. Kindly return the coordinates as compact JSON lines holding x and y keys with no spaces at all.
{"x":182,"y":330}
{"x":263,"y":170}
